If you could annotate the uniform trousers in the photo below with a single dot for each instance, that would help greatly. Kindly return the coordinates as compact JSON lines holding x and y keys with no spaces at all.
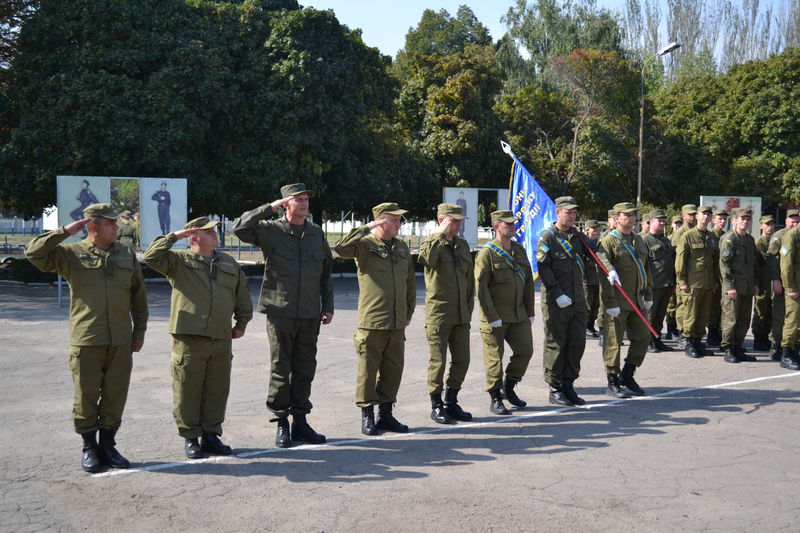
{"x":440,"y":337}
{"x":564,"y":342}
{"x":379,"y":360}
{"x":791,"y":323}
{"x":101,"y":375}
{"x":520,"y":339}
{"x":696,"y":306}
{"x":293,"y":364}
{"x":638,"y":337}
{"x":735,"y":319}
{"x":657,"y":312}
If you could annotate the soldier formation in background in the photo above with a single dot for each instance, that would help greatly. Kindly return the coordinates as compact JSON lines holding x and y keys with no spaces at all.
{"x":701,"y":281}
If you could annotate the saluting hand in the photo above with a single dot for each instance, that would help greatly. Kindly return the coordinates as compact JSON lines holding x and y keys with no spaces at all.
{"x":444,"y":224}
{"x":375,"y":223}
{"x":280,"y":202}
{"x":74,"y":227}
{"x":183,"y":233}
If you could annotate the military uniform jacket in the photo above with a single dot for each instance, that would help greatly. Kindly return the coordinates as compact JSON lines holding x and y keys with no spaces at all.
{"x":108,"y":304}
{"x":591,"y":273}
{"x":738,"y":263}
{"x":206,"y":292}
{"x":697,"y":260}
{"x":774,"y":255}
{"x":297,"y":269}
{"x":126,"y":234}
{"x":662,"y":260}
{"x":562,"y":266}
{"x":675,"y":238}
{"x":449,"y":280}
{"x":386,"y":280}
{"x":503,"y":294}
{"x":633,"y":270}
{"x":790,"y":261}
{"x":762,"y":245}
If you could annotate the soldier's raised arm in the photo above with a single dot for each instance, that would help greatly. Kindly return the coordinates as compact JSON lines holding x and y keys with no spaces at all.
{"x":347,"y":246}
{"x":248,"y":227}
{"x":45,"y":253}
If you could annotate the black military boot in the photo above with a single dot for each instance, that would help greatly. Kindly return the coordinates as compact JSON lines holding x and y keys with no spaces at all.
{"x":368,"y":421}
{"x":788,"y":359}
{"x":283,"y":437}
{"x":452,"y":408}
{"x":191,"y":447}
{"x":438,"y":413}
{"x":509,"y":394}
{"x":743,"y":355}
{"x":614,"y":390}
{"x":672,"y":331}
{"x":626,"y":379}
{"x":569,"y":392}
{"x":691,"y":349}
{"x":90,"y":462}
{"x":761,"y":343}
{"x":776,"y":353}
{"x":303,"y":432}
{"x":387,"y":421}
{"x":107,"y":453}
{"x":730,"y":355}
{"x":497,"y":407}
{"x":557,"y":396}
{"x":713,"y":338}
{"x":211,"y":444}
{"x":656,"y":346}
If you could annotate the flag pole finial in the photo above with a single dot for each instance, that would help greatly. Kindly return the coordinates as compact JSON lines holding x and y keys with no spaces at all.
{"x":507,"y":149}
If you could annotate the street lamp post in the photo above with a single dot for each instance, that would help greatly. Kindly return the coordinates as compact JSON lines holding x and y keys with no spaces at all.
{"x":671,"y":47}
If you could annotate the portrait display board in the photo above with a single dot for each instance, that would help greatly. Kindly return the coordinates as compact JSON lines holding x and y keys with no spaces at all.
{"x":468,"y":200}
{"x":163,"y":208}
{"x":75,"y":193}
{"x":729,"y":202}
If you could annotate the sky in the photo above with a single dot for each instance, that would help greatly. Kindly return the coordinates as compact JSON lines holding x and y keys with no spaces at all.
{"x":384,"y":24}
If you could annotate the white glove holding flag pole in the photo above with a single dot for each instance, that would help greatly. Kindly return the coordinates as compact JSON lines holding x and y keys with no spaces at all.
{"x":563,"y":301}
{"x":496,"y":324}
{"x":613,"y":278}
{"x":613,"y":311}
{"x":648,"y":304}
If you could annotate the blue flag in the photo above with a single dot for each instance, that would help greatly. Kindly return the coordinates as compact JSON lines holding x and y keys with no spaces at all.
{"x":532,"y":206}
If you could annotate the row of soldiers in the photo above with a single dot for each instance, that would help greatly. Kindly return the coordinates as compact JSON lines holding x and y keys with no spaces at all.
{"x":210,"y":307}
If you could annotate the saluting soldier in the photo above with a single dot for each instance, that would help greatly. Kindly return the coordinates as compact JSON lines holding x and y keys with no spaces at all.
{"x":562,"y":263}
{"x":208,"y":288}
{"x":689,"y":217}
{"x":108,"y":318}
{"x":296,"y":296}
{"x":790,"y":277}
{"x":738,"y":265}
{"x":386,"y":300}
{"x":591,"y":230}
{"x":625,"y":258}
{"x":505,"y":288}
{"x":762,"y":305}
{"x":719,"y":222}
{"x":697,"y":275}
{"x":449,"y":301}
{"x":662,"y":268}
{"x":774,"y":267}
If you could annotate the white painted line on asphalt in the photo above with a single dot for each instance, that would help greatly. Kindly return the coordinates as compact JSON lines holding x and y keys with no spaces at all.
{"x":437,"y":429}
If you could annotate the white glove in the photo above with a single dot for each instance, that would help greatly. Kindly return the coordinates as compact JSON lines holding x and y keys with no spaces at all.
{"x":613,"y":277}
{"x":613,"y":311}
{"x":531,"y":318}
{"x":496,"y":323}
{"x":648,"y":304}
{"x":563,"y":301}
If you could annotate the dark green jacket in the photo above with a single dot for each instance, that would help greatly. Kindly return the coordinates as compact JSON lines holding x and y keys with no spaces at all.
{"x":107,"y":288}
{"x":662,"y":260}
{"x":774,"y":255}
{"x":560,"y":272}
{"x":762,"y":245}
{"x":738,"y":263}
{"x":449,"y":280}
{"x":297,"y":269}
{"x":697,"y":260}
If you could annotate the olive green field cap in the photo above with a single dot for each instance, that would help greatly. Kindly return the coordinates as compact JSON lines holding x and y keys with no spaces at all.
{"x":689,"y":209}
{"x":624,"y":207}
{"x":646,"y":217}
{"x":566,"y":202}
{"x":657,"y":213}
{"x":201,"y":223}
{"x":722,"y":213}
{"x":387,"y":208}
{"x":293,"y":189}
{"x":611,"y":213}
{"x":100,"y":210}
{"x":136,"y":214}
{"x":741,"y":212}
{"x":591,"y":224}
{"x":792,"y":212}
{"x":450,"y":210}
{"x":704,"y":209}
{"x":676,"y":218}
{"x":766,"y":219}
{"x":503,"y":216}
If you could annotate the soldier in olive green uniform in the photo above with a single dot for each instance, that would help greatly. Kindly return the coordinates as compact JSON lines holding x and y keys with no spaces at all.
{"x":697,"y":275}
{"x":386,"y":300}
{"x":126,"y":235}
{"x":137,"y":232}
{"x":296,"y":296}
{"x":738,"y":266}
{"x":591,"y":230}
{"x":602,"y":316}
{"x":108,"y":293}
{"x":208,"y":288}
{"x":625,"y":258}
{"x":506,"y":297}
{"x":562,"y":261}
{"x":645,"y":225}
{"x":676,"y":223}
{"x":714,"y":337}
{"x":662,"y":267}
{"x":762,"y":306}
{"x":774,"y":267}
{"x":688,"y":214}
{"x":449,"y":301}
{"x":790,"y":278}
